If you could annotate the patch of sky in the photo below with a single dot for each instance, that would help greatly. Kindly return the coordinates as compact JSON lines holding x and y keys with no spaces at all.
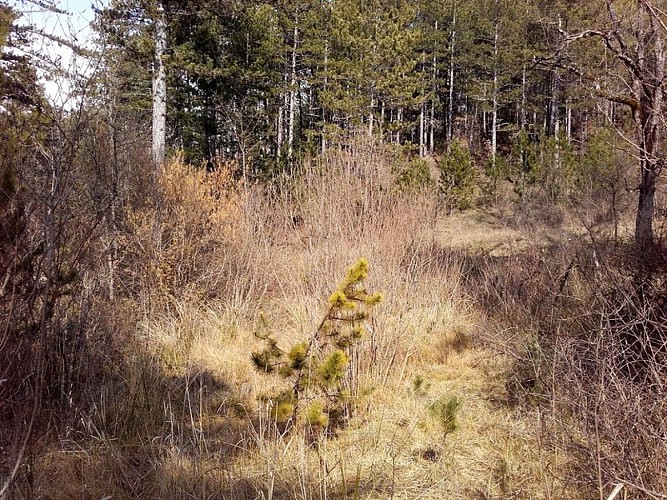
{"x":61,"y":45}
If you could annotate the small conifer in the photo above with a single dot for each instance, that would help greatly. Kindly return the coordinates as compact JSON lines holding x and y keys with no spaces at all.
{"x":446,"y":412}
{"x":318,"y":367}
{"x":457,"y":177}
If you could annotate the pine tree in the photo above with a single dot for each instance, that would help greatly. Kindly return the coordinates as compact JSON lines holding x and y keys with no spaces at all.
{"x":457,"y":177}
{"x":318,"y":368}
{"x":371,"y":68}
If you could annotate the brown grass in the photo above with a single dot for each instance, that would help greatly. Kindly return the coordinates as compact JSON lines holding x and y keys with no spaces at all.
{"x":182,"y":413}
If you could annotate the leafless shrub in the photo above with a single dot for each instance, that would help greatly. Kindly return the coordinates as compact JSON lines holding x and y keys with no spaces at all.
{"x":593,"y":355}
{"x":47,"y":239}
{"x":610,"y":376}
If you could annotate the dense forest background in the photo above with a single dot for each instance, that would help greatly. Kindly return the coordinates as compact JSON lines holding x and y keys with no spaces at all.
{"x":170,"y":231}
{"x":267,"y":83}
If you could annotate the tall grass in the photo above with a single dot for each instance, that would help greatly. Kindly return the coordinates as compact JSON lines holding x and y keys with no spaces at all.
{"x":591,"y":358}
{"x":180,"y":411}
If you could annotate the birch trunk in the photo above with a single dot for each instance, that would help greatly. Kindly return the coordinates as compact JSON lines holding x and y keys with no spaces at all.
{"x":292,"y":100}
{"x":159,"y":130}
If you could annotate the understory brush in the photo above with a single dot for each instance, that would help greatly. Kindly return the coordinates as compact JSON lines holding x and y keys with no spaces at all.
{"x":452,"y":388}
{"x":585,"y":325}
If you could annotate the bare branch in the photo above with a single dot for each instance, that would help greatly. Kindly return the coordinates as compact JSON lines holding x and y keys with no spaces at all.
{"x":620,"y":98}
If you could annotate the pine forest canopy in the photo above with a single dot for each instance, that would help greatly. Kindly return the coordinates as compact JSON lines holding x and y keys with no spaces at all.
{"x":265,"y":83}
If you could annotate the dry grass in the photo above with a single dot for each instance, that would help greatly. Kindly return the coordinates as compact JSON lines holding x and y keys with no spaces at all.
{"x":184,"y":414}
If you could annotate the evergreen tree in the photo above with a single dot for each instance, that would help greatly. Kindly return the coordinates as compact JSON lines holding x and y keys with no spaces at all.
{"x":457,"y":177}
{"x":318,"y":368}
{"x":371,"y":70}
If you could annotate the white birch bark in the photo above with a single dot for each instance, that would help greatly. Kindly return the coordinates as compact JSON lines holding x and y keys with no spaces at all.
{"x":292,"y":99}
{"x":159,"y":130}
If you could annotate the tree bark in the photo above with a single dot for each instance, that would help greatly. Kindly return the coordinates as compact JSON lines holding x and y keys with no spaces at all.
{"x":422,"y":143}
{"x":292,"y":99}
{"x":370,"y":116}
{"x":494,"y":116}
{"x":450,"y":103}
{"x":159,"y":130}
{"x":643,"y":56}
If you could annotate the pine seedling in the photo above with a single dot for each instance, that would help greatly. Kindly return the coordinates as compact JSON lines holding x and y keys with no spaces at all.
{"x":316,"y":416}
{"x":420,"y":386}
{"x":446,"y":413}
{"x":319,"y":367}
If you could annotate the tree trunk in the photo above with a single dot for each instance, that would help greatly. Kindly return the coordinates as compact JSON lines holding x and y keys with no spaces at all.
{"x":292,"y":100}
{"x":494,"y":116}
{"x":112,"y":223}
{"x":422,"y":144}
{"x":399,"y":120}
{"x":450,"y":103}
{"x":648,"y":87}
{"x":522,"y":114}
{"x":382,"y":113}
{"x":568,"y":121}
{"x":645,"y":209}
{"x":431,"y":137}
{"x":159,"y":92}
{"x":279,"y":129}
{"x":325,"y":87}
{"x":370,"y":116}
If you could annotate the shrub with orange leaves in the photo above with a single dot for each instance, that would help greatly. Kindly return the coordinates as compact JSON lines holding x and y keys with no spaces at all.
{"x":173,"y":245}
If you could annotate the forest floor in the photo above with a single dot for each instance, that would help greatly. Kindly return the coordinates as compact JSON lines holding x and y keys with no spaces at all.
{"x":496,"y":233}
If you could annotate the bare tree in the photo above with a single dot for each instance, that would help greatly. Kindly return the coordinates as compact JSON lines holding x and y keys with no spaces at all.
{"x":48,"y":229}
{"x":635,"y":39}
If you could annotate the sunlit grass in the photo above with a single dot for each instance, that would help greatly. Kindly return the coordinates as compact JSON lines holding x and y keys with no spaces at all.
{"x":196,"y":414}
